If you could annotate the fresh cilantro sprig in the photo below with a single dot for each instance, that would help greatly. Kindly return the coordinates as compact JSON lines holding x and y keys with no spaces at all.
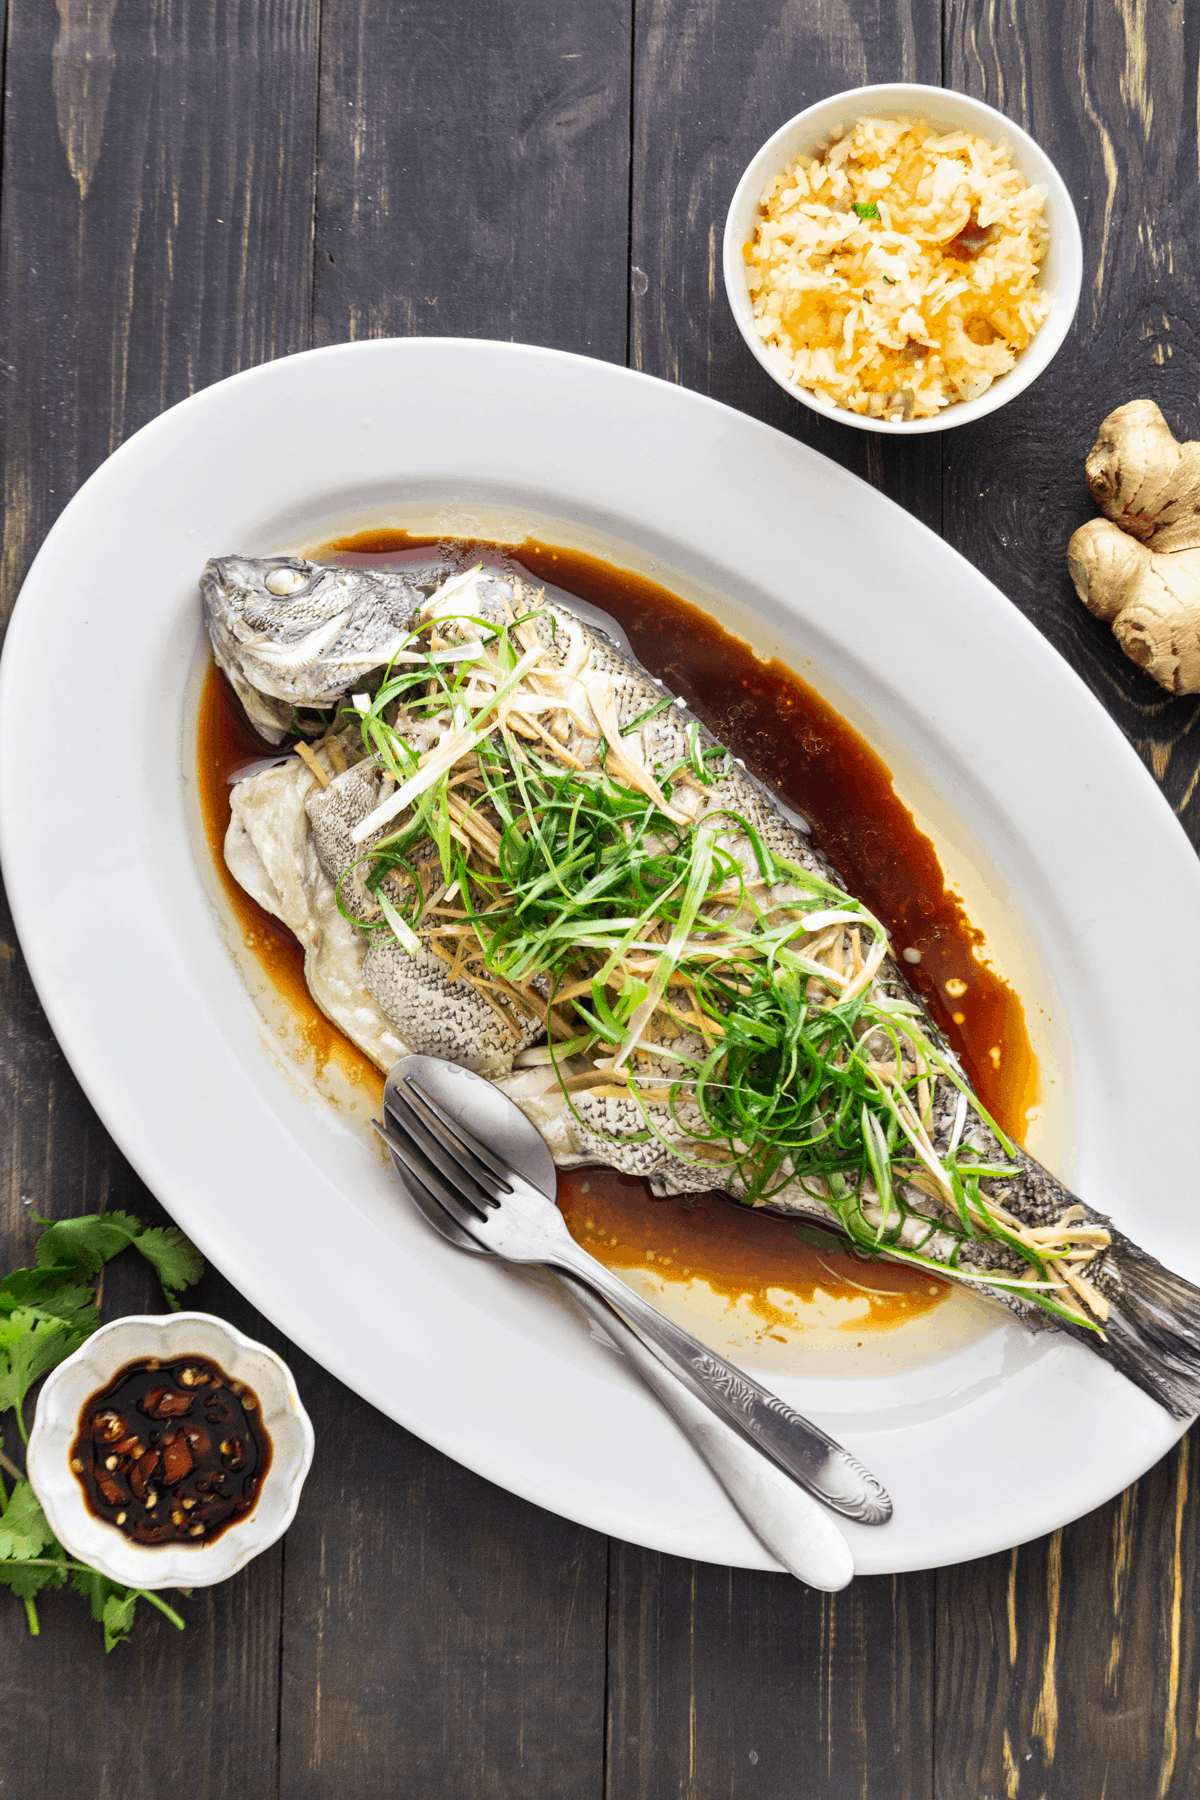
{"x":46,"y":1313}
{"x":83,"y":1246}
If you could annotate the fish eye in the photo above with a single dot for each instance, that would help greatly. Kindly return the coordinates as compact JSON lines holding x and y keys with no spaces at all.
{"x":285,"y":581}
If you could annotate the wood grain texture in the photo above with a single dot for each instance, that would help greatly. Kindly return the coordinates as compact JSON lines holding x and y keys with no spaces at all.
{"x":833,"y":1696}
{"x":187,"y":254}
{"x":199,"y":1706}
{"x":733,"y":1683}
{"x":191,"y":1711}
{"x":156,"y":217}
{"x":442,"y":1637}
{"x":713,"y":80}
{"x":1111,"y":92}
{"x":559,"y":173}
{"x":474,"y":172}
{"x":1069,"y":1667}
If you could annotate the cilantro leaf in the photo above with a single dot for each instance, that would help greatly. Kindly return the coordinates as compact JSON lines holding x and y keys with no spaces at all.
{"x":114,"y":1606}
{"x":28,"y":1579}
{"x":31,"y":1558}
{"x":45,"y":1314}
{"x":85,"y":1244}
{"x":175,"y":1257}
{"x":24,"y":1529}
{"x":869,"y":211}
{"x":49,"y":1294}
{"x":119,"y":1607}
{"x":31,"y":1345}
{"x":79,"y":1248}
{"x":94,"y":1587}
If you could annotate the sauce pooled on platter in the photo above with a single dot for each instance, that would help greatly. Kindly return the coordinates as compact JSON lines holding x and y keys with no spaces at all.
{"x":173,"y":1452}
{"x":792,"y":739}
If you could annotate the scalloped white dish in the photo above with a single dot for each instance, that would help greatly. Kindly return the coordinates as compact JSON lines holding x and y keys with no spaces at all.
{"x":168,"y":1337}
{"x":1039,"y":809}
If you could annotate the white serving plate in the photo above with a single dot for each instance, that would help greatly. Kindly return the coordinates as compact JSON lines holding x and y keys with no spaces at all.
{"x":1034,"y":798}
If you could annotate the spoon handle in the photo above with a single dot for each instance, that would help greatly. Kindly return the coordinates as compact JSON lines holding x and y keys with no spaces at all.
{"x":798,"y":1533}
{"x":800,"y":1448}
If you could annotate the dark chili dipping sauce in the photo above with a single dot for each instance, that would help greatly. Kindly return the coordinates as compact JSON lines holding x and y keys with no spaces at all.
{"x":807,"y":753}
{"x":171,"y":1453}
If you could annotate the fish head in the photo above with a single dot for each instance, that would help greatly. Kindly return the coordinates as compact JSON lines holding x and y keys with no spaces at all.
{"x":275,"y":597}
{"x":299,"y":633}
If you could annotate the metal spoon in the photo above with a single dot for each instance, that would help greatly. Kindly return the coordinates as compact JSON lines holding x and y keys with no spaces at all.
{"x":464,"y":1142}
{"x":793,"y":1527}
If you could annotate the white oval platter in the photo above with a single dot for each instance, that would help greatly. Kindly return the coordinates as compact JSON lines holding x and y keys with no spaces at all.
{"x":1034,"y":798}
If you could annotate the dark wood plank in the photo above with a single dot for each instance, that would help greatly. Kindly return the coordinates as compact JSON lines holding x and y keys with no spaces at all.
{"x":157,"y":215}
{"x":442,"y":1637}
{"x":735,"y":1683}
{"x":474,"y":172}
{"x":1069,"y":1666}
{"x":72,"y":1717}
{"x":157,"y":218}
{"x":1111,"y":95}
{"x":447,"y":1639}
{"x":195,"y":1710}
{"x":833,"y":1696}
{"x":713,"y":82}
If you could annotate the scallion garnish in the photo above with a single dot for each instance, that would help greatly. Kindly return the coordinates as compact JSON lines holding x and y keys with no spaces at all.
{"x":733,"y":995}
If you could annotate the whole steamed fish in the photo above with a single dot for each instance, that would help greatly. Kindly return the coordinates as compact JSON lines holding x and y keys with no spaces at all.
{"x":504,"y":843}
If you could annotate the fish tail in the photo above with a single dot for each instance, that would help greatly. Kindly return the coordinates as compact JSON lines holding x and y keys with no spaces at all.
{"x":1152,"y":1333}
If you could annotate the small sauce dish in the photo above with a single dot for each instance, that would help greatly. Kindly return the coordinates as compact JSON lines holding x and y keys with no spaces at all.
{"x":170,"y":1339}
{"x":1060,"y":275}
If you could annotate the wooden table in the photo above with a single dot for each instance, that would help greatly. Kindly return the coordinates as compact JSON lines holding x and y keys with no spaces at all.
{"x":190,"y":188}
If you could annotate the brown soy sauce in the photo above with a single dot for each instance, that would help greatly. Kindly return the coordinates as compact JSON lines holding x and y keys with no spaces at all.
{"x":171,"y":1452}
{"x":807,"y":753}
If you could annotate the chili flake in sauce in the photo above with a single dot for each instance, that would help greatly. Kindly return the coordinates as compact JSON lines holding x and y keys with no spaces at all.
{"x":171,"y":1452}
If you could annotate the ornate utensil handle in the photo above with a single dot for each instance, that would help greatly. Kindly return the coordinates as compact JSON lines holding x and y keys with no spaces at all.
{"x":799,"y":1447}
{"x":798,"y":1533}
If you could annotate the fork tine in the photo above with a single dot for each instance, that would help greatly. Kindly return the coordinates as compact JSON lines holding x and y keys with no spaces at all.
{"x":418,"y":1166}
{"x":456,"y":1210}
{"x":407,"y":1120}
{"x":458,"y":1138}
{"x":455,"y":1157}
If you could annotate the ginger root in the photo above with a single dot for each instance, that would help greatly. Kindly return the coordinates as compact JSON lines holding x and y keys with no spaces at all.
{"x":1140,"y":566}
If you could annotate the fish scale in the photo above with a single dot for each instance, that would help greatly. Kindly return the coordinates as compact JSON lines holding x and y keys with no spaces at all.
{"x":1152,"y":1324}
{"x":440,"y":1017}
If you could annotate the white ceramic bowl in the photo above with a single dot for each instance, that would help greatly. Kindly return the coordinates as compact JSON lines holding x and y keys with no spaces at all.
{"x":1061,"y":273}
{"x":92,"y":1367}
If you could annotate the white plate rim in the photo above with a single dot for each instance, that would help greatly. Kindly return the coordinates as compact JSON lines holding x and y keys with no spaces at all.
{"x":686,"y":451}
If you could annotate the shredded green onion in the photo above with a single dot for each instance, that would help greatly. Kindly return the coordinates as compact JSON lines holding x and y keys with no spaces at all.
{"x":696,"y":946}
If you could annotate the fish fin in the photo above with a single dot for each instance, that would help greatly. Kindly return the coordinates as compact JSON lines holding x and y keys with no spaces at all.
{"x":1153,"y":1328}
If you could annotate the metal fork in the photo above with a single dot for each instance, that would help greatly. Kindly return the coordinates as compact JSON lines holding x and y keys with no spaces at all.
{"x":504,"y":1212}
{"x":792,"y":1526}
